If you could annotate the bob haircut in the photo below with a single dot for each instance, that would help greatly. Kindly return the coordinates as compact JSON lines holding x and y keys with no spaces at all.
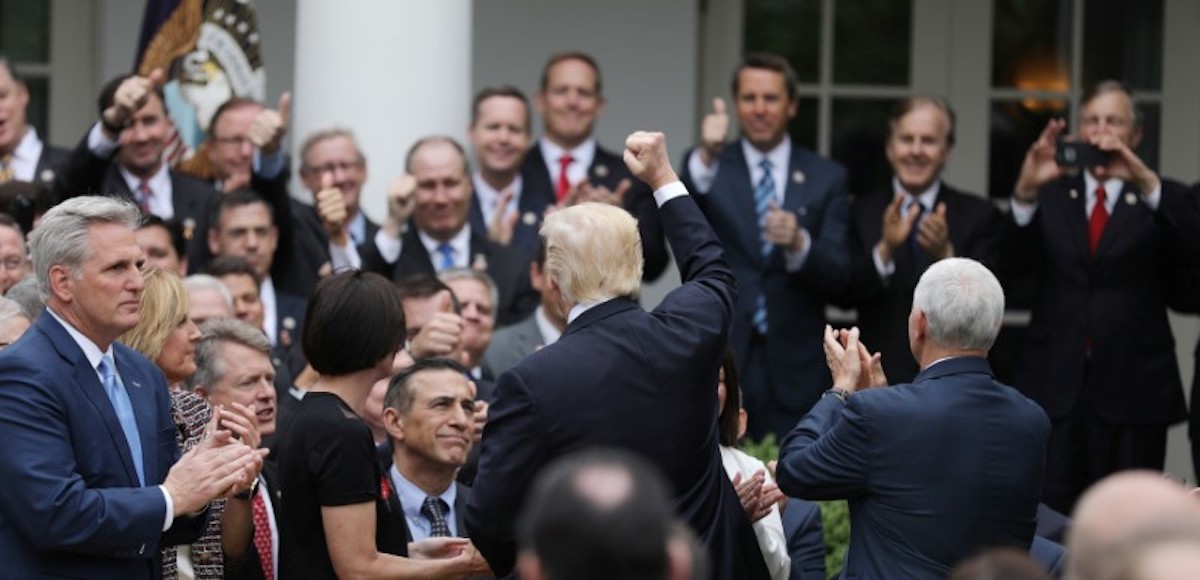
{"x":354,"y":320}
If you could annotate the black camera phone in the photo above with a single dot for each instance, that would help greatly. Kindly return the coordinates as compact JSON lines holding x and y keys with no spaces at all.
{"x":1076,"y":154}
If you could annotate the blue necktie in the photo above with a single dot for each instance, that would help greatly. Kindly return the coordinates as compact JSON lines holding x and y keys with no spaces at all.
{"x":764,"y":194}
{"x":124,"y":409}
{"x":447,"y":254}
{"x":918,"y":207}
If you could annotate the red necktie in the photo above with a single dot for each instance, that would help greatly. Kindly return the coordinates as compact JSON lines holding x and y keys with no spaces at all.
{"x":560,"y":191}
{"x":143,"y":197}
{"x":1098,"y":219}
{"x":262,"y":534}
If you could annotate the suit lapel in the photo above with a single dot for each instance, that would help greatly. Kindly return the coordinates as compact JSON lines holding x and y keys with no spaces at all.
{"x":115,"y":185}
{"x":1075,"y":223}
{"x":1122,"y":215}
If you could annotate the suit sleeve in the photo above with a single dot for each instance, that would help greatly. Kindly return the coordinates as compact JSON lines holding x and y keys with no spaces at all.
{"x":511,"y":454}
{"x":82,"y":173}
{"x":806,"y":539}
{"x":824,"y":457}
{"x":45,"y":498}
{"x":699,"y":253}
{"x":640,"y":203}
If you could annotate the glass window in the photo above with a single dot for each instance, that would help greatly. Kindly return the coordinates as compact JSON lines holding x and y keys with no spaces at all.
{"x":803,"y":127}
{"x":1031,"y":44}
{"x":1123,"y":40}
{"x":24,"y":30}
{"x":39,"y":104}
{"x":1015,"y":125}
{"x":860,"y":128}
{"x":872,"y":41}
{"x":791,"y":28}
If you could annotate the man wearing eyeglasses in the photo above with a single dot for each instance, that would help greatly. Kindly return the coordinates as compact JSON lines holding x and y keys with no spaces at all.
{"x":14,"y":263}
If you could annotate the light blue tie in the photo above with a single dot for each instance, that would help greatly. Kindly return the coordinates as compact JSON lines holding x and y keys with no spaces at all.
{"x":124,"y":409}
{"x":447,"y":253}
{"x":764,"y":194}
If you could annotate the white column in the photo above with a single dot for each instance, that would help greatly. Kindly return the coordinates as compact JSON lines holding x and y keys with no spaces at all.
{"x":392,"y":72}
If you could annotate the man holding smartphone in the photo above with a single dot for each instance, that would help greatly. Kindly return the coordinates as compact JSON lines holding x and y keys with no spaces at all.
{"x":1103,"y":244}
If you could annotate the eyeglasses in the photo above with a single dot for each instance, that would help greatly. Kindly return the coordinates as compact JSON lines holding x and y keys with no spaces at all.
{"x":343,"y":166}
{"x":238,"y":141}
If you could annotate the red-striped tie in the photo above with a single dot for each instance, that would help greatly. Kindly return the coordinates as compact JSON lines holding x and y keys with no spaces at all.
{"x":262,"y":534}
{"x":1097,"y":221}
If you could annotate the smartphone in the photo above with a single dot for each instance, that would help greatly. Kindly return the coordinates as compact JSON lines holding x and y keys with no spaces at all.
{"x":1076,"y":154}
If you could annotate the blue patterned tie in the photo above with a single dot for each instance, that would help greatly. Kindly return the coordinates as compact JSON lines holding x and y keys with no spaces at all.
{"x":447,"y":253}
{"x":915,"y":205}
{"x":124,"y":409}
{"x":434,"y":510}
{"x":764,"y":194}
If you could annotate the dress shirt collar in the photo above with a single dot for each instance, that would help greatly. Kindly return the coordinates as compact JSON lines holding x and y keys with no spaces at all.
{"x":25,"y":156}
{"x":927,"y":197}
{"x":779,"y":157}
{"x":583,"y":155}
{"x":578,"y":309}
{"x":549,"y":332}
{"x":461,"y":242}
{"x":90,"y":349}
{"x":1112,"y":190}
{"x":356,"y":228}
{"x":490,"y":196}
{"x":411,"y":497}
{"x":160,"y":203}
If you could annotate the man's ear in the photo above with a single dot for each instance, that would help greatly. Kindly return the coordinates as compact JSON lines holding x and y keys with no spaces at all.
{"x":60,"y":283}
{"x":214,"y":245}
{"x":393,"y":423}
{"x":529,"y":567}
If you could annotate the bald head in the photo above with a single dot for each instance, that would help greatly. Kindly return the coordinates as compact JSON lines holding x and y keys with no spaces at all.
{"x":1118,"y":508}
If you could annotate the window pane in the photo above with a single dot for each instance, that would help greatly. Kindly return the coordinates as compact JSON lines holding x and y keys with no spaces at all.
{"x":39,"y":99}
{"x":1031,"y":44}
{"x":791,"y":28}
{"x":872,"y":41}
{"x":1151,"y":134}
{"x":1015,"y":126}
{"x":25,"y":30}
{"x":860,"y":128}
{"x":1123,"y":40}
{"x":803,"y":128}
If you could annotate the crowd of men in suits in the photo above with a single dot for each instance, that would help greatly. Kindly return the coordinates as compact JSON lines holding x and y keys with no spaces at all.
{"x":519,"y":264}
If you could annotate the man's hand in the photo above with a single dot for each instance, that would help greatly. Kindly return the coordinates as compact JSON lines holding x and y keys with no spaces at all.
{"x":646,"y":157}
{"x":480,"y":418}
{"x":934,"y":235}
{"x":242,"y":423}
{"x":1039,"y":167}
{"x":437,"y":547}
{"x":401,"y":201}
{"x":331,"y":208}
{"x":269,"y":127}
{"x":1125,"y":165}
{"x":217,"y":467}
{"x":896,"y":228}
{"x":714,"y":130}
{"x":843,"y":359}
{"x":441,"y":336}
{"x":601,"y":194}
{"x":782,"y":229}
{"x":500,"y":227}
{"x":749,"y":493}
{"x":131,"y":95}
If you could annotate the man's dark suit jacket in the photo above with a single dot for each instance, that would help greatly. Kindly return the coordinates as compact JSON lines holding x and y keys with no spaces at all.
{"x":49,"y":164}
{"x":87,"y":174}
{"x":934,"y":470}
{"x":250,"y":567}
{"x":532,"y":203}
{"x":795,"y":301}
{"x":622,"y":377}
{"x":608,"y":169}
{"x":805,"y":535}
{"x":976,"y":228}
{"x":508,"y":268}
{"x":1116,"y":300}
{"x":71,"y":505}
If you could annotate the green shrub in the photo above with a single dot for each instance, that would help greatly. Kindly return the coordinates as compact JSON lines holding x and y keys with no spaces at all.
{"x":835,"y":515}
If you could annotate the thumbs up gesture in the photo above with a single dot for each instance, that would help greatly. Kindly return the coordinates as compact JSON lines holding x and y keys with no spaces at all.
{"x":269,"y":126}
{"x":331,"y":208}
{"x":714,"y":129}
{"x":131,"y":95}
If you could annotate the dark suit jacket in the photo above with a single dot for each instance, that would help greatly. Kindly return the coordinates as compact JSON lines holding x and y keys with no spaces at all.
{"x":511,"y":344}
{"x":71,"y":505}
{"x":52,"y":160}
{"x":805,"y":535}
{"x":976,"y":228}
{"x":934,"y":470}
{"x":532,"y":204}
{"x":622,"y":377}
{"x":1116,"y":300}
{"x":250,"y":567}
{"x":608,"y":169}
{"x":506,"y":266}
{"x":795,"y":300}
{"x":87,"y":174}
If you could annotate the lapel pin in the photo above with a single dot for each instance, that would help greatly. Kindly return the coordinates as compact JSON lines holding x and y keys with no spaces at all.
{"x":289,"y":323}
{"x":802,"y":211}
{"x":1130,"y":198}
{"x":1074,"y":194}
{"x":189,"y":228}
{"x":325,"y":270}
{"x":47,"y":175}
{"x":601,"y":171}
{"x":136,"y":384}
{"x":479,"y":263}
{"x":798,"y":177}
{"x":529,"y":218}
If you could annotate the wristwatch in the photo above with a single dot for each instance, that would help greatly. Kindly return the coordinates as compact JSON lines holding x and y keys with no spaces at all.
{"x":250,"y":491}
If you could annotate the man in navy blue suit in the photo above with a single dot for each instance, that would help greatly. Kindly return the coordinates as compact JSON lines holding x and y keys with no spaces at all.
{"x":934,"y":470}
{"x":781,"y":213}
{"x":93,"y":481}
{"x":620,"y":376}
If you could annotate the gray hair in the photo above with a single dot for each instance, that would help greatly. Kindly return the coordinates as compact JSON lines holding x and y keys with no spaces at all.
{"x":201,"y":282}
{"x":210,"y":365}
{"x":480,"y":276}
{"x":61,"y":237}
{"x":10,"y":309}
{"x":963,"y":302}
{"x":25,"y":292}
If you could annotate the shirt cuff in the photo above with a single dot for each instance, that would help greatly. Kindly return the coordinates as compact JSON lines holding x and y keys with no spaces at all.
{"x":1154,"y":198}
{"x":702,"y":175}
{"x":884,"y":269}
{"x":99,"y":143}
{"x":669,"y":191}
{"x":269,"y":165}
{"x":170,"y":519}
{"x":795,"y":260}
{"x":389,"y":247}
{"x":1022,"y":212}
{"x":345,"y":256}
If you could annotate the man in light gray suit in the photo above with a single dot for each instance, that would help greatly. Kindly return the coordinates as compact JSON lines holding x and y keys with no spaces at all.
{"x":513,"y":343}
